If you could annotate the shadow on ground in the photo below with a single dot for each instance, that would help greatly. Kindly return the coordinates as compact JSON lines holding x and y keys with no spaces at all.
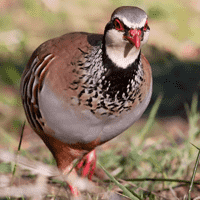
{"x":176,"y":80}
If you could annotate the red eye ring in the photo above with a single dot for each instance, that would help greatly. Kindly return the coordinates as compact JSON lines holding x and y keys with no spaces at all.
{"x":145,"y":26}
{"x":118,"y":25}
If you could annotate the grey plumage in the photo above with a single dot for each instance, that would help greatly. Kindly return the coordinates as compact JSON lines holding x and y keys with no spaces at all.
{"x":133,"y":14}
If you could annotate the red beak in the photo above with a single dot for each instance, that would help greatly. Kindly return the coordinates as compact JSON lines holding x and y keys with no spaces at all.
{"x":134,"y":37}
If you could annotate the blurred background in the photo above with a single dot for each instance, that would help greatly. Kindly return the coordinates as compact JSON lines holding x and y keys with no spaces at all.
{"x":173,"y":51}
{"x":173,"y":48}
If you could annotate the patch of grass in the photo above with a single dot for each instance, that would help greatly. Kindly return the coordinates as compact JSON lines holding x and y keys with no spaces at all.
{"x":164,"y":161}
{"x":5,"y":168}
{"x":156,"y":12}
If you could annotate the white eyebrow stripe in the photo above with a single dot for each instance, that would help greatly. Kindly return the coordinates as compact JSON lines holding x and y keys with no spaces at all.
{"x":132,"y":25}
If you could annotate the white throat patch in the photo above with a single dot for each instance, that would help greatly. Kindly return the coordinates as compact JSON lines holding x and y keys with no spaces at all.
{"x":120,"y":51}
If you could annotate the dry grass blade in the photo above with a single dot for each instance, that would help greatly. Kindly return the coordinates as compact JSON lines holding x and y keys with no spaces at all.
{"x":194,"y":173}
{"x":27,"y":190}
{"x":150,"y":120}
{"x":34,"y":166}
{"x":125,"y":190}
{"x":43,"y":171}
{"x":19,"y":147}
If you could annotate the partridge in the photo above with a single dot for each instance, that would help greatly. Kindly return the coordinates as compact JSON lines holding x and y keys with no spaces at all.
{"x":81,"y":90}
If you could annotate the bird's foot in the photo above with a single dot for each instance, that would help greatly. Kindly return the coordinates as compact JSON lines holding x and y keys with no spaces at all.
{"x":74,"y":191}
{"x":89,"y":164}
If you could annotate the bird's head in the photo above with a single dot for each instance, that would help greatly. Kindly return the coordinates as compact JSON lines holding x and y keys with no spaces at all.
{"x":124,"y":35}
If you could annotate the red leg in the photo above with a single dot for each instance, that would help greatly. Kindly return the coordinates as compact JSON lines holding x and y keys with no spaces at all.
{"x":74,"y":191}
{"x":72,"y":176}
{"x":88,"y":163}
{"x":89,"y":167}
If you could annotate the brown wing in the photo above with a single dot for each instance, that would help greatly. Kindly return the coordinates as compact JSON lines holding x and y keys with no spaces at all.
{"x":55,"y":61}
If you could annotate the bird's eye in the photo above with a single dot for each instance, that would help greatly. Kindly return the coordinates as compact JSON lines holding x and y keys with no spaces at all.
{"x":145,"y":26}
{"x":118,"y":25}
